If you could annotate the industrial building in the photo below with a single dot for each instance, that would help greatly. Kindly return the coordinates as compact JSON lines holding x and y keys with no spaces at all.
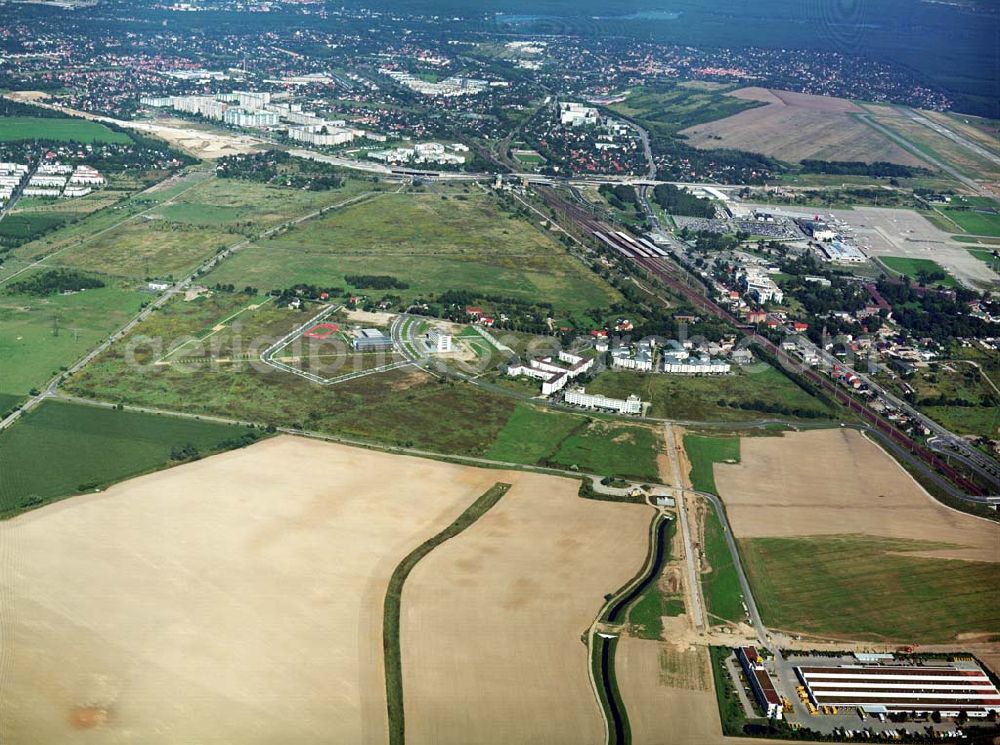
{"x":839,"y":252}
{"x":760,"y":682}
{"x":580,"y":397}
{"x":370,"y":340}
{"x":577,"y":115}
{"x":947,"y":689}
{"x":817,"y":229}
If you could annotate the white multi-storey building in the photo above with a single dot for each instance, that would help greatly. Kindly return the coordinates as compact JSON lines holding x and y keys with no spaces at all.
{"x":440,"y":342}
{"x":577,"y":115}
{"x":554,"y":376}
{"x":580,"y":397}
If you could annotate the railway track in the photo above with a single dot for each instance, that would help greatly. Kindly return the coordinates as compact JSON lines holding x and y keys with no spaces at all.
{"x":658,"y":264}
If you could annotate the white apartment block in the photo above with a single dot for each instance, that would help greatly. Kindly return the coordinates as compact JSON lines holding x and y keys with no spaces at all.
{"x":86,"y":176}
{"x":641,"y":360}
{"x":453,"y":86}
{"x":323,"y":134}
{"x":554,"y":376}
{"x":675,"y":364}
{"x":580,"y":397}
{"x":250,"y":118}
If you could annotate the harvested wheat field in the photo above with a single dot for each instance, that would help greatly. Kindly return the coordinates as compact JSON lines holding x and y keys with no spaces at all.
{"x":236,"y":599}
{"x":835,"y":482}
{"x":493,"y":620}
{"x":668,"y":692}
{"x":798,"y":126}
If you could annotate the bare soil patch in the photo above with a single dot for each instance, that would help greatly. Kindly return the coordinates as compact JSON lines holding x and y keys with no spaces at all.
{"x":493,"y":620}
{"x":798,"y":126}
{"x":830,"y":482}
{"x":235,"y":599}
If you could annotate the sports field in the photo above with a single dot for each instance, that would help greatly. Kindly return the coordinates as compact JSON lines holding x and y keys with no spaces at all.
{"x":15,"y":128}
{"x":459,"y":240}
{"x":267,"y":626}
{"x":62,"y":448}
{"x":761,"y":387}
{"x":826,"y":519}
{"x":492,"y":619}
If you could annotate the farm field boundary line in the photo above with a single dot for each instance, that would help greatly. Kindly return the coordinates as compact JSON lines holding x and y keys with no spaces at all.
{"x":394,"y":600}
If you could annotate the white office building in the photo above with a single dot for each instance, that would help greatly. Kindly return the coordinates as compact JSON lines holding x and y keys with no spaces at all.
{"x":440,"y":342}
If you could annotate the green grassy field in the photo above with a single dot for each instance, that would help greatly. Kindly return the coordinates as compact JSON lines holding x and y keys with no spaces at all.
{"x":912,"y":267}
{"x":61,"y":448}
{"x":538,"y":437}
{"x":531,"y":434}
{"x":461,"y":242}
{"x":611,"y":449}
{"x":869,"y":588}
{"x":982,"y":421}
{"x":234,"y":202}
{"x":15,"y":128}
{"x":697,"y":398}
{"x":148,"y":248}
{"x":723,"y":596}
{"x":704,"y":453}
{"x":171,"y":230}
{"x":976,"y":215}
{"x":7,"y":403}
{"x":985,"y":255}
{"x":976,"y":223}
{"x":38,"y":335}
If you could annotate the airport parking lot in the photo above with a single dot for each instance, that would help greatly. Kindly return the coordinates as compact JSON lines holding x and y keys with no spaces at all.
{"x":895,"y":232}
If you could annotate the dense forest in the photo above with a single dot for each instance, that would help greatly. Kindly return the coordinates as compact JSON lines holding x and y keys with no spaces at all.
{"x":878,"y":169}
{"x":677,"y":201}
